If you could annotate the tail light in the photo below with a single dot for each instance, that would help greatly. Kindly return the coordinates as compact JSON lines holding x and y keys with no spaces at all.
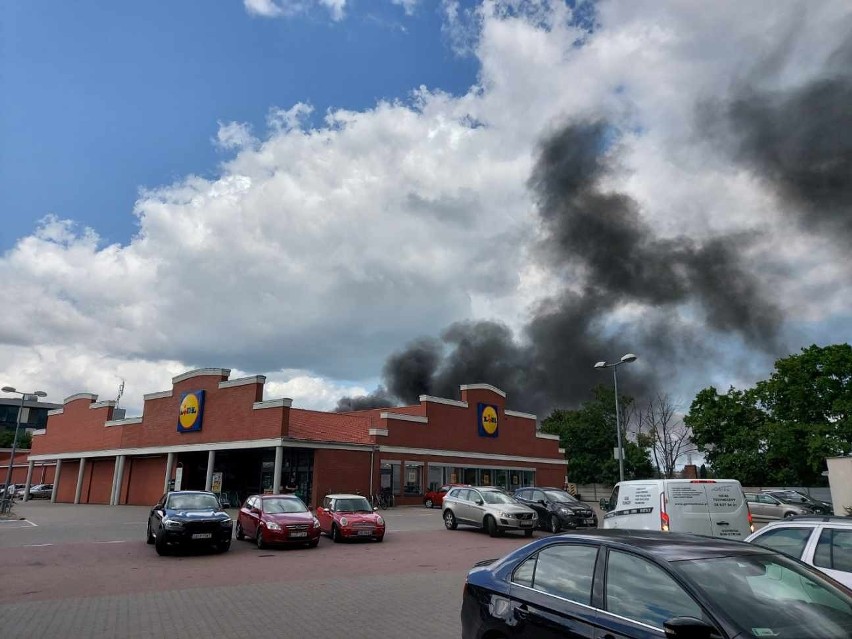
{"x":664,"y":516}
{"x":750,"y":520}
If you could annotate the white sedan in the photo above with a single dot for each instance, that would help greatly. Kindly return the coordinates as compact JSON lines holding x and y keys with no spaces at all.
{"x":823,"y":542}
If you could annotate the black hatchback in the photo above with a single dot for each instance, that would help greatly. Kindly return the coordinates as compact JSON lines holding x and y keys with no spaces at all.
{"x":189,"y":518}
{"x":557,"y":509}
{"x":624,"y":584}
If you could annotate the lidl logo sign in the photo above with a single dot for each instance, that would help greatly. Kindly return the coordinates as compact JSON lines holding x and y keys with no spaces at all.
{"x":191,"y":410}
{"x":488,"y":426}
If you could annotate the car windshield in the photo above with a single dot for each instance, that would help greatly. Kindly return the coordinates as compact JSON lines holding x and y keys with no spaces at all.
{"x":496,"y":497}
{"x":770,"y":596}
{"x":353,"y":505}
{"x":278,"y":505}
{"x":560,"y":496}
{"x":193,"y":502}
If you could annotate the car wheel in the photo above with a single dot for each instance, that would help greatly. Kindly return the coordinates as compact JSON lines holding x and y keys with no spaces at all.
{"x":428,"y":503}
{"x":150,"y":538}
{"x":450,"y":520}
{"x":261,"y":544}
{"x":787,"y":515}
{"x":240,"y":534}
{"x":335,"y":534}
{"x":313,"y":544}
{"x":554,"y":525}
{"x":528,"y":533}
{"x":224,"y":547}
{"x":380,"y":539}
{"x":491,"y":527}
{"x":160,"y":545}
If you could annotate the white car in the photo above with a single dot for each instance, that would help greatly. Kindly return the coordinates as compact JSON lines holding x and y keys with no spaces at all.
{"x":823,"y":542}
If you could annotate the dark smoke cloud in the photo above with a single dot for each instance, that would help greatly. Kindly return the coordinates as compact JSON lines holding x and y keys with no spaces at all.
{"x":377,"y":399}
{"x":799,"y":142}
{"x":620,"y":259}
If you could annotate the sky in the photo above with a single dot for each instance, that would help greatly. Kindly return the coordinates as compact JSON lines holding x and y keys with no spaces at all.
{"x":375,"y":199}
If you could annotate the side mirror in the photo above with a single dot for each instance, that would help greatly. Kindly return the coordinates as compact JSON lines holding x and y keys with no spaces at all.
{"x":375,"y":509}
{"x":604,"y":504}
{"x":542,"y":502}
{"x":479,"y":502}
{"x":255,"y":510}
{"x":688,"y":628}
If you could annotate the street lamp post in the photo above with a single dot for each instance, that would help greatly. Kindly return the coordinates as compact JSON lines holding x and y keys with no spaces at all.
{"x":6,"y":501}
{"x":630,"y":357}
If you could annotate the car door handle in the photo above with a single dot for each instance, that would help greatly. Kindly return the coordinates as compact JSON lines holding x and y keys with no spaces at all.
{"x":522,"y":612}
{"x":723,"y":523}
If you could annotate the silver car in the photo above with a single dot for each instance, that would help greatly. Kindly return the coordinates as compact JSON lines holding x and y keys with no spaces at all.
{"x":766,"y":507}
{"x":487,"y":508}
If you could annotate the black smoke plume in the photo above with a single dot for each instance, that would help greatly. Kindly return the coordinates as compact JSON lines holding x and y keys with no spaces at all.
{"x":379,"y":398}
{"x":620,"y":259}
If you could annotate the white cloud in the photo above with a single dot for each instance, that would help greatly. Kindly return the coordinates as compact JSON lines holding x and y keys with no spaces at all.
{"x":407,"y":5}
{"x":289,"y":8}
{"x":323,"y":249}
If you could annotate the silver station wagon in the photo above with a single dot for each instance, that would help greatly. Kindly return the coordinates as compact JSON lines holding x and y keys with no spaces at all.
{"x":488,"y":508}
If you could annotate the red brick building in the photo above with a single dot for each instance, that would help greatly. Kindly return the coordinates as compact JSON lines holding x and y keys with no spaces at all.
{"x":212,"y":432}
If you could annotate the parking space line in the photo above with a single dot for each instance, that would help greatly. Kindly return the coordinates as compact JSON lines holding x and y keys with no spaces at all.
{"x":117,"y":541}
{"x":21,"y":523}
{"x":37,"y":545}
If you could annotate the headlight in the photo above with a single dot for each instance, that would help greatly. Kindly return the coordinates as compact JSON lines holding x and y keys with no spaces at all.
{"x":172,"y":524}
{"x":344,"y":521}
{"x":271,"y":525}
{"x":507,"y":515}
{"x":379,"y":520}
{"x":227,"y":522}
{"x":565,"y":511}
{"x":316,"y":523}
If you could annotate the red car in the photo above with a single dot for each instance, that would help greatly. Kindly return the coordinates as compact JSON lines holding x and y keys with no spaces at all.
{"x":434,"y":498}
{"x":350,"y":517}
{"x":277,"y":519}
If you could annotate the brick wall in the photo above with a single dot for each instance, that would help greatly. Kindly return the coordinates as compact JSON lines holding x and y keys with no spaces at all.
{"x":98,"y":488}
{"x":340,"y":471}
{"x":67,"y":482}
{"x":144,"y":478}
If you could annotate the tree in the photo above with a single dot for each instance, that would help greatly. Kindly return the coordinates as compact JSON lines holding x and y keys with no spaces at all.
{"x":589,"y":437}
{"x":781,"y":431}
{"x":7,"y":436}
{"x":664,"y":434}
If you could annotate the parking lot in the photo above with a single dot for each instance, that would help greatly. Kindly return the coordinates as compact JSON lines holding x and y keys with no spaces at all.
{"x":86,"y":571}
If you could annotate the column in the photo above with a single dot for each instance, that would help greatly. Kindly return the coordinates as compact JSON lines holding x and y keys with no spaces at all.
{"x":276,"y":472}
{"x":56,"y":475}
{"x":80,"y":473}
{"x":211,"y":459}
{"x":29,"y":480}
{"x":170,"y":465}
{"x":116,"y":480}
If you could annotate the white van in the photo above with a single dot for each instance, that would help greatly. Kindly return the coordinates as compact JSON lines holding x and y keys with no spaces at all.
{"x":712,"y":507}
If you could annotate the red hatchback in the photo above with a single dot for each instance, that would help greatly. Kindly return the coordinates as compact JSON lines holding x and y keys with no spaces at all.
{"x":434,"y":498}
{"x":277,"y":519}
{"x":350,"y":517}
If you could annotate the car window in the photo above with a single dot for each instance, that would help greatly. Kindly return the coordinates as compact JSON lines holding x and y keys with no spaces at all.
{"x":642,"y":591}
{"x":834,"y":550}
{"x":497,"y":497}
{"x":473,"y":495}
{"x":537,"y":495}
{"x":613,"y":499}
{"x":766,"y":499}
{"x":443,"y":489}
{"x":522,"y":494}
{"x":567,"y":571}
{"x":326,"y":503}
{"x":787,"y":540}
{"x":524,"y":573}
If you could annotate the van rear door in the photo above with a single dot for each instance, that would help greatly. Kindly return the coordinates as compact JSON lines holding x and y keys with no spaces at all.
{"x":728,"y":509}
{"x":687,"y":507}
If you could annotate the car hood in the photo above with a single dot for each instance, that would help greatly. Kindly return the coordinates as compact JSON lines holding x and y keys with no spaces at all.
{"x":290,"y":518}
{"x":357,"y":517}
{"x":572,"y":506}
{"x":510,"y":508}
{"x":197,"y":515}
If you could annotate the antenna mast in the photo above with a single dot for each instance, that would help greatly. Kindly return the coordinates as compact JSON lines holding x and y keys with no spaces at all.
{"x":120,"y":392}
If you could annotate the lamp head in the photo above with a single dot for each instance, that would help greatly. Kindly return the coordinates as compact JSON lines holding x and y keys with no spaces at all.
{"x":600,"y":365}
{"x":630,"y":357}
{"x":9,"y":389}
{"x":40,"y":394}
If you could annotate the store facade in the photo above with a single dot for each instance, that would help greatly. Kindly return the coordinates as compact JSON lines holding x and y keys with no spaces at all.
{"x":211,"y":432}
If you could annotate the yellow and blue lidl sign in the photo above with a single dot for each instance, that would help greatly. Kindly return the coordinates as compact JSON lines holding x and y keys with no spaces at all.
{"x":487,"y":419}
{"x":191,"y":411}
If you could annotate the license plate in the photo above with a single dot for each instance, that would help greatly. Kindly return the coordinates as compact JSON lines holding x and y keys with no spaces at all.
{"x":202,"y":535}
{"x":526,"y":523}
{"x":365,"y":533}
{"x":590,"y":521}
{"x":299,"y":534}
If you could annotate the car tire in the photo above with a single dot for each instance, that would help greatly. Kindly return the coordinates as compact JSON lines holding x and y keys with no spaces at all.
{"x":788,"y":515}
{"x":239,"y":533}
{"x":450,"y":522}
{"x":313,"y":544}
{"x":528,"y":532}
{"x":150,"y":537}
{"x":554,"y":525}
{"x":380,"y":539}
{"x":224,"y":547}
{"x":336,"y":537}
{"x":261,"y":544}
{"x":428,"y":503}
{"x":491,"y":526}
{"x":161,"y":546}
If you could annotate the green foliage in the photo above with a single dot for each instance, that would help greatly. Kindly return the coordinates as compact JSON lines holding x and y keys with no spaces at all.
{"x":781,"y":431}
{"x":8,"y":434}
{"x":589,"y":436}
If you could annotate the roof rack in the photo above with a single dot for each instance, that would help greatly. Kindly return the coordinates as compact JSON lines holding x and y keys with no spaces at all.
{"x":824,"y":518}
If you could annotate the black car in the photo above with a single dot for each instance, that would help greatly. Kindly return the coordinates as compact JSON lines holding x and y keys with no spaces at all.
{"x":557,"y":509}
{"x":632,"y":584}
{"x":794,"y":497}
{"x":189,"y":518}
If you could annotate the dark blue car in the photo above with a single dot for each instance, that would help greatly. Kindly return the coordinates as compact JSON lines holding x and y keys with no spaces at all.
{"x":620,"y":584}
{"x":187,"y":518}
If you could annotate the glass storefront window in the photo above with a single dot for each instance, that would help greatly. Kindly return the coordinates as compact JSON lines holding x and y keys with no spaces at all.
{"x":502,"y":479}
{"x":453,"y":475}
{"x":390,"y":477}
{"x":413,"y":479}
{"x":486,"y":477}
{"x":436,"y":477}
{"x":514,"y":479}
{"x":471,"y":476}
{"x":529,"y":478}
